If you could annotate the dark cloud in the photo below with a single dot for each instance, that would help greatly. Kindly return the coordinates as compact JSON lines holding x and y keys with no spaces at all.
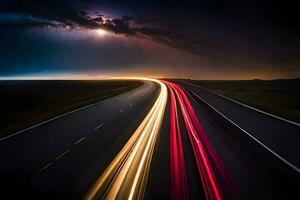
{"x":48,"y":10}
{"x":68,"y":15}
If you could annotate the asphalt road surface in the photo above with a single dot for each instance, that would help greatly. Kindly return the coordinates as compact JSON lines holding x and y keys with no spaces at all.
{"x":62,"y":158}
{"x":281,"y":136}
{"x":244,"y":167}
{"x":260,"y":152}
{"x":207,"y":147}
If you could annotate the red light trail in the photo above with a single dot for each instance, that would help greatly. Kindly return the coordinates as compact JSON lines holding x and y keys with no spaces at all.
{"x":179,"y":187}
{"x":205,"y":154}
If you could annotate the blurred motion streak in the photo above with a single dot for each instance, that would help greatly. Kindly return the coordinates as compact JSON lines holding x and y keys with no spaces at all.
{"x":179,"y":186}
{"x":126,"y":176}
{"x":205,"y":154}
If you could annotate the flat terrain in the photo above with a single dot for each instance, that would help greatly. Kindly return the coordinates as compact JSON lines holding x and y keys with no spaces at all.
{"x":25,"y":103}
{"x":279,"y":97}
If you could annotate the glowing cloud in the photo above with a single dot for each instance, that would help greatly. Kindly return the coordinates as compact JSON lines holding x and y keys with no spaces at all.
{"x":101,"y":32}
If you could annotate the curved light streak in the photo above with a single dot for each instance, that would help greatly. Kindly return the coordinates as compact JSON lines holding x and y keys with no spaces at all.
{"x":126,"y":176}
{"x":179,"y":186}
{"x":205,"y":154}
{"x":208,"y":178}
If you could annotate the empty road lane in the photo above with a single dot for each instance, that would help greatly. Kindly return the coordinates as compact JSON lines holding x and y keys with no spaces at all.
{"x":64,"y":157}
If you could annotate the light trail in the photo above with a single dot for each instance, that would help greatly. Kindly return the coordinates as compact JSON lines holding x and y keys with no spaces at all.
{"x":179,"y":186}
{"x":205,"y":155}
{"x":126,"y":176}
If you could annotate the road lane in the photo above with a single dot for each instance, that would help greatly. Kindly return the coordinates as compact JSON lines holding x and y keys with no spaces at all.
{"x":270,"y":177}
{"x":179,"y":188}
{"x":37,"y":149}
{"x":206,"y":157}
{"x":63,"y":159}
{"x":249,"y":177}
{"x":127,"y":175}
{"x":280,"y":136}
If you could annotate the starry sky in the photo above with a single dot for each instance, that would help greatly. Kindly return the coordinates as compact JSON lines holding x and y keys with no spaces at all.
{"x":203,"y":39}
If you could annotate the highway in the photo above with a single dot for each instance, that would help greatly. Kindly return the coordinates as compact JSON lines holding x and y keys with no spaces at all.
{"x":238,"y":165}
{"x":62,"y":158}
{"x":164,"y":140}
{"x":127,"y":175}
{"x":281,"y":136}
{"x":209,"y":155}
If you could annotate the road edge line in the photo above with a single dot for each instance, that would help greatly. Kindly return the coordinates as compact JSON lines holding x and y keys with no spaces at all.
{"x":251,"y":136}
{"x":62,"y":115}
{"x":247,"y":106}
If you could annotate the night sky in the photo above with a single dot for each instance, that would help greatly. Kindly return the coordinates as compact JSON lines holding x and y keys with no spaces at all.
{"x":210,"y":39}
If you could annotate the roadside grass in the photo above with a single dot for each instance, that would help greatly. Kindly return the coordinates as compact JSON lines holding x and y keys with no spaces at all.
{"x":279,"y":97}
{"x":26,"y":103}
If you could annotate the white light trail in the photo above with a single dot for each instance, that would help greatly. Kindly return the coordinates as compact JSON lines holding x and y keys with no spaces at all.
{"x":126,"y":176}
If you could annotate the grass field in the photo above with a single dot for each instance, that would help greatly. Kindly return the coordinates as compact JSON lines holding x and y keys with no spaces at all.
{"x":279,"y":97}
{"x":25,"y":103}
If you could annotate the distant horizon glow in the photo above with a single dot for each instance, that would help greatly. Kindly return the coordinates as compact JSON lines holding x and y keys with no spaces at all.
{"x":104,"y":77}
{"x":55,"y":77}
{"x":72,"y":77}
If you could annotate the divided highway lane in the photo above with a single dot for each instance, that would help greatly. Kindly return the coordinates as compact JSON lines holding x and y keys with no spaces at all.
{"x":127,"y":175}
{"x":207,"y":176}
{"x":250,"y":159}
{"x":61,"y":159}
{"x":280,"y":136}
{"x":210,"y":158}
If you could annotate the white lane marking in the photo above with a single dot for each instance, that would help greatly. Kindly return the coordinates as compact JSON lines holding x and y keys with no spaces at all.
{"x":45,"y":167}
{"x":121,"y":110}
{"x":251,"y":136}
{"x":80,"y":140}
{"x":99,"y":126}
{"x":62,"y":154}
{"x":78,"y":109}
{"x":263,"y":112}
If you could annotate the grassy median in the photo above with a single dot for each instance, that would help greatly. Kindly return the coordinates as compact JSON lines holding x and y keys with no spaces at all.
{"x":25,"y":103}
{"x":279,"y":97}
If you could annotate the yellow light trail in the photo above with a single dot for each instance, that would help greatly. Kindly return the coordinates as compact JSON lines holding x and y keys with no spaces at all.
{"x":126,"y":176}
